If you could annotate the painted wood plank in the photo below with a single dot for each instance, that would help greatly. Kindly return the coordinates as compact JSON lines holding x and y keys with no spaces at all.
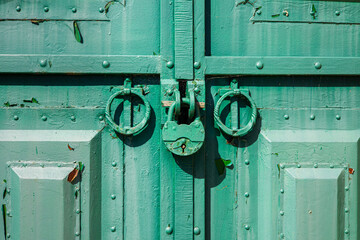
{"x":282,"y":65}
{"x":184,"y":39}
{"x":142,"y":64}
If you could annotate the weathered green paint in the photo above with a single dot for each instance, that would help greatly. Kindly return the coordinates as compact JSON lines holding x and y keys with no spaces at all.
{"x":294,"y":175}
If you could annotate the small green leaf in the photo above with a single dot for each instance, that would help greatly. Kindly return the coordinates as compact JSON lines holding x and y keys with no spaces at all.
{"x":313,"y":8}
{"x":7,"y":104}
{"x":275,"y":15}
{"x":33,"y":100}
{"x":77,"y":33}
{"x":4,"y":181}
{"x":76,"y":193}
{"x":4,"y":193}
{"x":227,"y":163}
{"x":220,"y":166}
{"x":154,"y":53}
{"x":81,"y":166}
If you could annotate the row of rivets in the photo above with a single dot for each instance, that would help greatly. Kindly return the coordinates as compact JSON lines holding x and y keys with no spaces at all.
{"x":260,"y":65}
{"x":46,"y":9}
{"x":312,"y":117}
{"x":282,"y":166}
{"x":44,"y":118}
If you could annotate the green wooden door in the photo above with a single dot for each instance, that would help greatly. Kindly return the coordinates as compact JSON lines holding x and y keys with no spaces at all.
{"x":179,"y":119}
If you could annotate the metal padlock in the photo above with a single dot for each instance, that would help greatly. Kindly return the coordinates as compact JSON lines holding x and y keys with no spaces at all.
{"x":183,"y":139}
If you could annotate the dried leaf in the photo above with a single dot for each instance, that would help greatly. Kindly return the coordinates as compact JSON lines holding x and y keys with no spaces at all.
{"x":70,"y":148}
{"x":77,"y":33}
{"x":73,"y":174}
{"x":351,"y":170}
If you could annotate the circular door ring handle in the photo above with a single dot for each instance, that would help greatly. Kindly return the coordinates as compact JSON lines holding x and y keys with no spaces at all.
{"x":236,"y":132}
{"x":128,"y":130}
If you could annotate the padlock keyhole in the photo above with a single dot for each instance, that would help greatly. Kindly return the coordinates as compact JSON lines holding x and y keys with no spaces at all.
{"x":183,"y":146}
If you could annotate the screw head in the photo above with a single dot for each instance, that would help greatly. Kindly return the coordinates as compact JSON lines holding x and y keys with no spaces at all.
{"x":247,"y":162}
{"x":281,"y":190}
{"x":43,"y":63}
{"x":105,"y":64}
{"x":312,"y":117}
{"x":101,"y":10}
{"x":73,"y":118}
{"x":317,"y":65}
{"x":346,"y":210}
{"x":298,"y":166}
{"x":346,"y":188}
{"x":113,"y":228}
{"x":337,"y":13}
{"x":281,"y":213}
{"x":246,"y":195}
{"x":18,"y":8}
{"x":316,"y":165}
{"x":347,"y":231}
{"x":113,"y":164}
{"x":247,"y":227}
{"x":197,"y":65}
{"x":259,"y":65}
{"x":74,"y":10}
{"x":113,"y":196}
{"x":77,"y":234}
{"x":196,"y":230}
{"x":44,"y":118}
{"x":46,"y":9}
{"x":258,"y":12}
{"x":170,"y":64}
{"x":101,"y":118}
{"x":16,"y":117}
{"x":338,"y":117}
{"x":77,"y":211}
{"x":169,"y":230}
{"x":286,"y":117}
{"x":331,"y":166}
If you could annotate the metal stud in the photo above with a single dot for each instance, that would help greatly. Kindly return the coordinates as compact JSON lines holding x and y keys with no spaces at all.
{"x":258,"y":12}
{"x":16,"y":117}
{"x":282,"y":166}
{"x":59,"y":165}
{"x":247,"y":227}
{"x":101,"y":117}
{"x":337,"y":13}
{"x":338,"y":117}
{"x":43,"y":63}
{"x":346,"y":210}
{"x":317,"y":65}
{"x":197,"y":65}
{"x":77,"y":211}
{"x":77,"y":234}
{"x":169,"y":229}
{"x":196,"y":230}
{"x":298,"y":166}
{"x":113,"y":164}
{"x":281,"y":213}
{"x":105,"y":64}
{"x":347,"y":231}
{"x":316,"y":165}
{"x":282,"y":235}
{"x":73,"y":118}
{"x":312,"y":117}
{"x":247,"y":162}
{"x":197,"y":90}
{"x":44,"y":118}
{"x":74,"y":10}
{"x":286,"y":117}
{"x":18,"y":8}
{"x":113,"y":196}
{"x":170,"y":64}
{"x":259,"y":65}
{"x":281,"y":190}
{"x":246,"y":194}
{"x":46,"y":9}
{"x":8,"y":235}
{"x":113,"y":228}
{"x":346,"y":188}
{"x":331,"y":166}
{"x":101,"y":10}
{"x":42,"y":165}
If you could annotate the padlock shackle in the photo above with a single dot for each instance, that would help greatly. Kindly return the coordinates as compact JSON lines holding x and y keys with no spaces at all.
{"x":185,"y":101}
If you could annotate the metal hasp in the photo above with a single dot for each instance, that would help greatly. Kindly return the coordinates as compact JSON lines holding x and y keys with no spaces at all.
{"x":184,"y":139}
{"x":240,"y":93}
{"x":126,"y":90}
